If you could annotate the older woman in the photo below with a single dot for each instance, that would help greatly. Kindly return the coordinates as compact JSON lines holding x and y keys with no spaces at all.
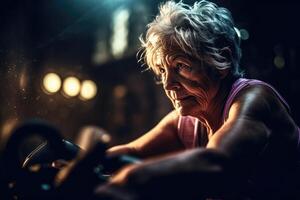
{"x":241,"y":137}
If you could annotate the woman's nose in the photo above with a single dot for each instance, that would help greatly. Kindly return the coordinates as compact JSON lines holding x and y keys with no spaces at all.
{"x":170,"y":81}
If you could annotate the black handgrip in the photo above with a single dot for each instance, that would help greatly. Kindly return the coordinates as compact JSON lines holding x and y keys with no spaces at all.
{"x":44,"y":153}
{"x":112,"y":164}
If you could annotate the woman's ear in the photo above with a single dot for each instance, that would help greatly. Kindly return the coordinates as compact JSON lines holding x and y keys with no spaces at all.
{"x":226,"y":53}
{"x":223,"y":73}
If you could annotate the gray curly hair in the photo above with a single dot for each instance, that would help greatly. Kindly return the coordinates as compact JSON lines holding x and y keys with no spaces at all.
{"x":202,"y":31}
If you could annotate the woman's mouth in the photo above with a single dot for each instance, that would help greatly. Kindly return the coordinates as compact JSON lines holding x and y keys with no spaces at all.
{"x":183,"y":98}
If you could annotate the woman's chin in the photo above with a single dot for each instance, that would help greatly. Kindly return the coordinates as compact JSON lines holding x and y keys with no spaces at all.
{"x":184,"y":111}
{"x":187,"y":107}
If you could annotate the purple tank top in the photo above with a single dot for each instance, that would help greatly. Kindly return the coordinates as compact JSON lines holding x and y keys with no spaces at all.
{"x":188,"y":126}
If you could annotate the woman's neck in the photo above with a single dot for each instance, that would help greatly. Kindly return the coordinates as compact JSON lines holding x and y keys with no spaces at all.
{"x":212,"y":119}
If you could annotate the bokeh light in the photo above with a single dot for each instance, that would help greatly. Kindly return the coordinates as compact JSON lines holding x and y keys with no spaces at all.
{"x":88,"y":90}
{"x":71,"y":86}
{"x":244,"y":34}
{"x":51,"y":83}
{"x":120,"y":91}
{"x":119,"y":40}
{"x":279,"y":62}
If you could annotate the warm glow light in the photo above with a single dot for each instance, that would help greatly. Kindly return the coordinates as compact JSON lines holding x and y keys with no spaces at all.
{"x":88,"y":89}
{"x":7,"y":127}
{"x":51,"y":83}
{"x":120,"y":91}
{"x":71,"y":86}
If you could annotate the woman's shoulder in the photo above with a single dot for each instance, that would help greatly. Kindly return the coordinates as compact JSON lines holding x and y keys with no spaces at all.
{"x":263,"y":103}
{"x":260,"y":99}
{"x":261,"y":93}
{"x":255,"y":97}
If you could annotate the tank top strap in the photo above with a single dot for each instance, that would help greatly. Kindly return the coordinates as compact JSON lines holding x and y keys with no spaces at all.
{"x":242,"y":83}
{"x":187,"y":131}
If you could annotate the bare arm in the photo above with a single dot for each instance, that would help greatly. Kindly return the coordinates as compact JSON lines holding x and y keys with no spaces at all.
{"x":163,"y":138}
{"x":255,"y":116}
{"x":252,"y":120}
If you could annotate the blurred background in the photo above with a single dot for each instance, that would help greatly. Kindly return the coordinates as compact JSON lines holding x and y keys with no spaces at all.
{"x":74,"y":63}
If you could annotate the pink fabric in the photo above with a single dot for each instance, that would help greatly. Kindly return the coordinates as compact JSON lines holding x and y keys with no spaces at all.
{"x":241,"y":84}
{"x":188,"y":126}
{"x":187,"y":131}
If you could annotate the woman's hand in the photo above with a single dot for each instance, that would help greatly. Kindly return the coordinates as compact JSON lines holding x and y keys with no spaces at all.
{"x":119,"y":150}
{"x":121,"y":177}
{"x":117,"y":188}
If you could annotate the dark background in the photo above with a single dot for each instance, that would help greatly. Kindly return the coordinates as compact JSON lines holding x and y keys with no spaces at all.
{"x":61,"y":36}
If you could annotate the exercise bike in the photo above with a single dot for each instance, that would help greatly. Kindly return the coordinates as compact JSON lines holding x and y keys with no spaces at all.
{"x":35,"y":176}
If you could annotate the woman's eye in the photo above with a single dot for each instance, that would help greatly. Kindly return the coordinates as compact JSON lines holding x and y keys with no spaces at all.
{"x":181,"y":66}
{"x":161,"y":70}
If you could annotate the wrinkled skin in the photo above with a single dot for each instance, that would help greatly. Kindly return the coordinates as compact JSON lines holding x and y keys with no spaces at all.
{"x":249,"y":140}
{"x":189,"y":89}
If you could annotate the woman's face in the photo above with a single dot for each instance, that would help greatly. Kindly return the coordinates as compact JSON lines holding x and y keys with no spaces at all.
{"x":186,"y":84}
